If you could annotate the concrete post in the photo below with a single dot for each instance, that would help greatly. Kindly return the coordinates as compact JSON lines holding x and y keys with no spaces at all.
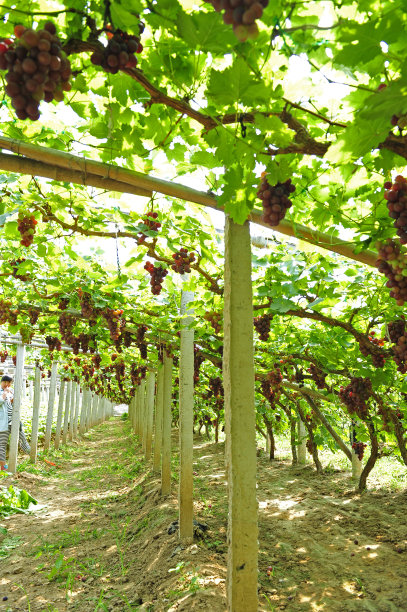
{"x":158,"y":428}
{"x":238,"y":375}
{"x":15,"y":424}
{"x":186,"y":420}
{"x":51,"y":402}
{"x":76,"y":414}
{"x":142,"y":405}
{"x":82,"y":420}
{"x":67,"y":410}
{"x":357,"y":466}
{"x":150,"y":414}
{"x":166,"y":437}
{"x":61,"y":400}
{"x":36,"y":415}
{"x":72,"y":410}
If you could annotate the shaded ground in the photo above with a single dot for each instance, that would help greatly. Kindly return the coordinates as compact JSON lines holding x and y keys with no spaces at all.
{"x":102,"y":542}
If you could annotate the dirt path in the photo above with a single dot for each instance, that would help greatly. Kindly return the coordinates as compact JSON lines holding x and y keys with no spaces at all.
{"x":101,"y":542}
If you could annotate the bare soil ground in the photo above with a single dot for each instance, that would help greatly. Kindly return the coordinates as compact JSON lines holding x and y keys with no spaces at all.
{"x":101,"y":541}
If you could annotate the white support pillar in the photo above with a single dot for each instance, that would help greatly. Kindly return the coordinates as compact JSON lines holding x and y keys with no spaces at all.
{"x":15,"y":425}
{"x":89,"y":416}
{"x":302,"y":442}
{"x":36,"y":415}
{"x":67,"y":411}
{"x":61,"y":400}
{"x":166,"y":438}
{"x":357,"y":466}
{"x":85,"y":401}
{"x":138,"y":424}
{"x":150,"y":414}
{"x":72,"y":410}
{"x":240,"y":421}
{"x":142,"y":405}
{"x":76,"y":414}
{"x":158,"y":428}
{"x":186,"y":420}
{"x":31,"y":392}
{"x":51,"y":402}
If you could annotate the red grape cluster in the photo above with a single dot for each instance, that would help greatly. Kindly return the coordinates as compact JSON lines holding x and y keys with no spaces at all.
{"x":119,"y":52}
{"x":142,"y":346}
{"x":53,"y":343}
{"x":84,"y":340}
{"x":14,"y":263}
{"x":114,"y":321}
{"x":26,"y":227}
{"x":359,"y":448}
{"x":182,"y":261}
{"x":97,"y":360}
{"x":87,"y":307}
{"x":275,"y":377}
{"x":137,"y":373}
{"x":317,"y":376}
{"x":14,"y":360}
{"x":356,"y":395}
{"x":396,"y":196}
{"x":216,"y":386}
{"x":3,"y":356}
{"x":270,"y":394}
{"x":150,"y":223}
{"x":141,"y":332}
{"x":392,"y":262}
{"x":63,"y":303}
{"x":371,"y":347}
{"x":38,"y":69}
{"x":215,"y":319}
{"x":66,"y":323}
{"x":33,"y":314}
{"x":5,"y":308}
{"x":396,"y":329}
{"x":157,"y":273}
{"x":262,"y":325}
{"x":128,"y":339}
{"x":242,"y":14}
{"x":275,"y":199}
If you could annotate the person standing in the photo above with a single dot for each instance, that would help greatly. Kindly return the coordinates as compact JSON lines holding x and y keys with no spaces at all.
{"x":6,"y":406}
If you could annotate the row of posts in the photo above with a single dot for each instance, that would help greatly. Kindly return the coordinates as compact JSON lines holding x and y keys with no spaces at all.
{"x":73,"y":416}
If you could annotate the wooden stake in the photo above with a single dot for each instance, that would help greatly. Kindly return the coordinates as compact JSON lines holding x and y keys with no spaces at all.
{"x":166,"y":437}
{"x":36,"y":415}
{"x":238,"y":372}
{"x":15,"y":424}
{"x":51,"y":402}
{"x":186,"y":420}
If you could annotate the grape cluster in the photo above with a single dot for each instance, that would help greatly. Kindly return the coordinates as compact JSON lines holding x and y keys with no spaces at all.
{"x":359,"y":448}
{"x":141,"y":332}
{"x":53,"y":343}
{"x":3,"y":356}
{"x":275,"y":199}
{"x":66,"y":323}
{"x":270,"y":395}
{"x":215,"y":319}
{"x":33,"y":314}
{"x":5,"y":308}
{"x":26,"y":227}
{"x":142,"y":346}
{"x":119,"y":52}
{"x":392,"y":262}
{"x":37,"y":69}
{"x":356,"y":395}
{"x":14,"y":360}
{"x":371,"y":347}
{"x":14,"y":263}
{"x":97,"y":360}
{"x":396,"y":329}
{"x":182,"y":261}
{"x":63,"y":303}
{"x":84,"y":340}
{"x":137,"y":373}
{"x":114,"y":321}
{"x":150,"y":223}
{"x":128,"y":339}
{"x":242,"y":14}
{"x":396,"y":196}
{"x":157,"y":273}
{"x":262,"y":325}
{"x":275,"y":377}
{"x":317,"y":376}
{"x":87,"y":307}
{"x":216,"y":386}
